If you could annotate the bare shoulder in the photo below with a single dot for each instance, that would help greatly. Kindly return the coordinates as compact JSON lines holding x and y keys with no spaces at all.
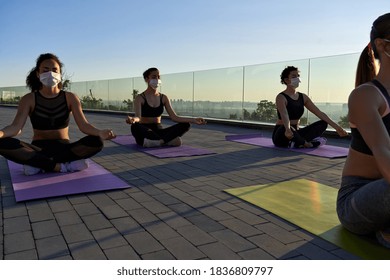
{"x":364,"y":105}
{"x":28,"y":96}
{"x":280,"y":97}
{"x":27,"y":99}
{"x":365,"y":94}
{"x":139,"y":98}
{"x":304,"y":95}
{"x":72,"y":98}
{"x":165,"y":98}
{"x":71,"y":94}
{"x":26,"y":105}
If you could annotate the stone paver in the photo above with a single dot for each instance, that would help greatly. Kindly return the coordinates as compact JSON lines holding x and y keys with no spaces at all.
{"x":16,"y":224}
{"x":182,"y":249}
{"x":143,"y":242}
{"x":218,"y":251}
{"x":96,"y":221}
{"x":18,"y":242}
{"x":45,"y":229}
{"x":175,"y":208}
{"x":86,"y":250}
{"x":52,"y":247}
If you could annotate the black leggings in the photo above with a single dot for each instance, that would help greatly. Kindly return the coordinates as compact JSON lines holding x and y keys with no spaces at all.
{"x":45,"y":154}
{"x":155,"y":131}
{"x":307,"y":133}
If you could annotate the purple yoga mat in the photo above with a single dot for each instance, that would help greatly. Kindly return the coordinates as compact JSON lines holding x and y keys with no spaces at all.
{"x":327,"y":151}
{"x":44,"y":185}
{"x":161,"y":152}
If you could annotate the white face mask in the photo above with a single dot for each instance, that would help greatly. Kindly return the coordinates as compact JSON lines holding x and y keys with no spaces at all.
{"x":295,"y":82}
{"x":50,"y":79}
{"x":155,"y":83}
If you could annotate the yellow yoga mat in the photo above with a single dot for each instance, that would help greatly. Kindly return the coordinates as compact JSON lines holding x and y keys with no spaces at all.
{"x":311,"y":206}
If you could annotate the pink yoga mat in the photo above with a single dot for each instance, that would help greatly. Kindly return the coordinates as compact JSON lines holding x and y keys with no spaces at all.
{"x":44,"y":185}
{"x":327,"y":151}
{"x":161,"y":152}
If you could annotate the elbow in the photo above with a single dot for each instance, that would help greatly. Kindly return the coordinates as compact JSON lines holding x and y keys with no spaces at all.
{"x":83,"y":129}
{"x":12,"y":133}
{"x":175,"y":118}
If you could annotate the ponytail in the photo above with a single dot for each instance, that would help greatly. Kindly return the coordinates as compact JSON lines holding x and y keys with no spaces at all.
{"x":366,"y":70}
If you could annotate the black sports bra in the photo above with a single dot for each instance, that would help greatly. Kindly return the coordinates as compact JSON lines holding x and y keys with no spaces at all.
{"x":50,"y":113}
{"x":357,"y":141}
{"x":148,"y":111}
{"x":295,"y":108}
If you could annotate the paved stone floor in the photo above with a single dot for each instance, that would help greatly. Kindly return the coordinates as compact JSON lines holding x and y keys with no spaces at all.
{"x":176,"y":207}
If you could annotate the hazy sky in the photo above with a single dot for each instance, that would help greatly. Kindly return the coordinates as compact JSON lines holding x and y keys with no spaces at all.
{"x":108,"y":39}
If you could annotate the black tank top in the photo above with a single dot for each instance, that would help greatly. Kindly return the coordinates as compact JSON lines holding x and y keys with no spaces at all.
{"x":357,"y":141}
{"x":153,"y":112}
{"x":50,"y":113}
{"x":295,"y":108}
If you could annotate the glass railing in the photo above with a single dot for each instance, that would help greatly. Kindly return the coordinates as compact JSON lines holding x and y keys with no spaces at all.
{"x":239,"y":94}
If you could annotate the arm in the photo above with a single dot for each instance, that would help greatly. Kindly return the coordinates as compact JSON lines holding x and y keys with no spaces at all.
{"x":24,"y":109}
{"x":81,"y":121}
{"x":321,"y":115}
{"x":281,"y":103}
{"x":137,"y":111}
{"x":364,"y":111}
{"x":176,"y":118}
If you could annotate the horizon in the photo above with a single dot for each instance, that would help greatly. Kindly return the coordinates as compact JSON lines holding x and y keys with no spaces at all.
{"x":105,"y":40}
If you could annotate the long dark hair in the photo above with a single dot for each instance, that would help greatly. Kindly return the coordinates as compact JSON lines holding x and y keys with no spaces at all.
{"x":366,"y":70}
{"x":32,"y":79}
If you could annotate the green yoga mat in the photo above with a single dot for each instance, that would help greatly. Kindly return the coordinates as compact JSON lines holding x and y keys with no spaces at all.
{"x":311,"y":206}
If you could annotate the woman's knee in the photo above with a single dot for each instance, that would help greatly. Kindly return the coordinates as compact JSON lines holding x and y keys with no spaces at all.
{"x":185,"y":126}
{"x":135,"y":127}
{"x":322,"y":124}
{"x":9,"y":143}
{"x":93,"y":141}
{"x":86,"y":147}
{"x":280,"y":141}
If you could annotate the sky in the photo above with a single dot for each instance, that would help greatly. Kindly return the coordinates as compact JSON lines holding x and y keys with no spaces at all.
{"x":109,"y":39}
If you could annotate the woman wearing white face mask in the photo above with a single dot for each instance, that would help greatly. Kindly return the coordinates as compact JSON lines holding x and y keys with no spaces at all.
{"x":290,"y":105}
{"x":49,"y":108}
{"x":146,"y":125}
{"x":363,"y":203}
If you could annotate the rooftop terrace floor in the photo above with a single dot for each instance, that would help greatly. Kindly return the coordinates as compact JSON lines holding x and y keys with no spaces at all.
{"x":176,"y":207}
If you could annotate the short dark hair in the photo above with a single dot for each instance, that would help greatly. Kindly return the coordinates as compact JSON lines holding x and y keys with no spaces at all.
{"x":32,"y":79}
{"x":150,"y":70}
{"x":286,"y":72}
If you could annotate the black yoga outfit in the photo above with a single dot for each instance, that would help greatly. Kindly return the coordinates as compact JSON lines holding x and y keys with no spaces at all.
{"x":295,"y":110}
{"x":357,"y":141}
{"x":49,"y":114}
{"x":155,"y":131}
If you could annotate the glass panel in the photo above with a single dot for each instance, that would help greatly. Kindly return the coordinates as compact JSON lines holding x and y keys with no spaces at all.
{"x":78,"y":88}
{"x":218,"y":93}
{"x":121,"y":95}
{"x":331,"y":81}
{"x":237,"y":93}
{"x":12,"y":95}
{"x":262,"y":84}
{"x":97,"y":95}
{"x":179,"y":89}
{"x":139,"y":84}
